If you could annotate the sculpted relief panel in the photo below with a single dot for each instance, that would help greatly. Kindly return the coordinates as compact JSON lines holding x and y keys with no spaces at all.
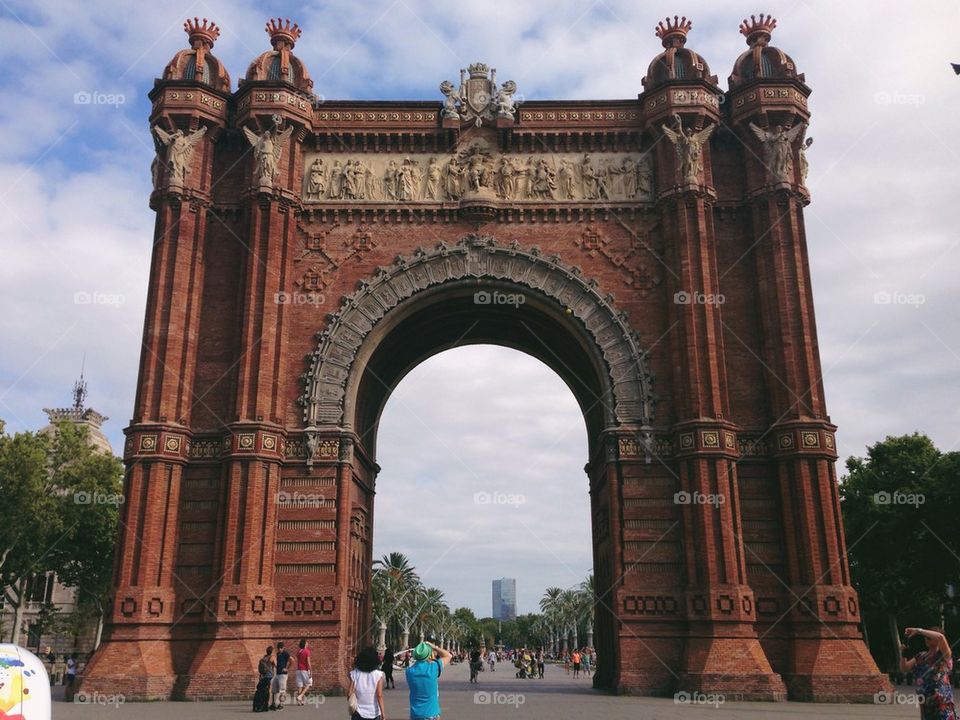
{"x":432,"y":178}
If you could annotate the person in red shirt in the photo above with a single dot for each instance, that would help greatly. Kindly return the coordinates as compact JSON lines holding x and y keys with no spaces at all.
{"x":304,"y":680}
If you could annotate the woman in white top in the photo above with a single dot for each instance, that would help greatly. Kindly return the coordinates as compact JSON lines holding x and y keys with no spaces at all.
{"x":366,"y":682}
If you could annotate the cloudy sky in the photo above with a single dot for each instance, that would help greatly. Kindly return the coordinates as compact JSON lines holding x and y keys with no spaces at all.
{"x":74,"y":223}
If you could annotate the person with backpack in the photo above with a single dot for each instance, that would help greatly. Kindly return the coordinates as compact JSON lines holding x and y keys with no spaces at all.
{"x":266,"y":669}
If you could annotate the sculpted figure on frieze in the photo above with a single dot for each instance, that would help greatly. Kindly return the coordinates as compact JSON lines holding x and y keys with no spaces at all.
{"x":589,"y":179}
{"x":434,"y":175}
{"x":642,"y":176}
{"x":316,"y":180}
{"x":454,"y":179}
{"x":478,"y":164}
{"x":566,"y":178}
{"x":507,"y":178}
{"x":391,"y":181}
{"x":418,"y":177}
{"x":336,"y":180}
{"x":544,"y":180}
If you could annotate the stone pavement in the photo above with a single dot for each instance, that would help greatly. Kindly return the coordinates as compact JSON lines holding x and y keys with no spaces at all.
{"x":498,"y":696}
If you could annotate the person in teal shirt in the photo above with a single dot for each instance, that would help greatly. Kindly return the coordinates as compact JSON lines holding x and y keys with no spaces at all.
{"x":423,"y":679}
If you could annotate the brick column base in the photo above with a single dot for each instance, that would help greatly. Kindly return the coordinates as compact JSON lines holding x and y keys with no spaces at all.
{"x":735,"y":667}
{"x":225,"y":668}
{"x":834,"y":670}
{"x":649,"y":659}
{"x":136,"y":669}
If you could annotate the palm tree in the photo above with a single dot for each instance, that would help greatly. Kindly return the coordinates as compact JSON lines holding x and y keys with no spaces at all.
{"x":394,"y":578}
{"x":550,"y":606}
{"x":432,"y":610}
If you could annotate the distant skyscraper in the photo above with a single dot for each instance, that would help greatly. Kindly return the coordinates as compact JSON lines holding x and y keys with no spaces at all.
{"x":505,"y":599}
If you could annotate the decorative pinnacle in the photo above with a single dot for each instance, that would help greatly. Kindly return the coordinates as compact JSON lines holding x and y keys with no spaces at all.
{"x":204,"y":34}
{"x":758,"y":31}
{"x":283,"y":33}
{"x":673,"y":33}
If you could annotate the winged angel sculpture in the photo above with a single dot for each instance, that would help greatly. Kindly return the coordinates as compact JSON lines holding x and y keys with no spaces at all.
{"x":778,"y":150}
{"x":174,"y":151}
{"x":267,"y":149}
{"x":689,"y":148}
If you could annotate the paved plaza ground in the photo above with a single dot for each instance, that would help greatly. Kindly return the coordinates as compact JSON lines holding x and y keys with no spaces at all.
{"x":498,"y":696}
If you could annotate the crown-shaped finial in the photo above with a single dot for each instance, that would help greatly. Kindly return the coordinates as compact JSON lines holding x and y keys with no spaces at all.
{"x":673,"y":33}
{"x":283,"y":32}
{"x":204,"y":33}
{"x":758,"y":30}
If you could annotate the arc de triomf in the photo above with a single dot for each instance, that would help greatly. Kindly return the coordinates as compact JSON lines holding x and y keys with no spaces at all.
{"x":308,"y":253}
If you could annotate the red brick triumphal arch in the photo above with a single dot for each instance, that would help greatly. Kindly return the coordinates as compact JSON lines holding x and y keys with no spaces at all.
{"x":308,"y":254}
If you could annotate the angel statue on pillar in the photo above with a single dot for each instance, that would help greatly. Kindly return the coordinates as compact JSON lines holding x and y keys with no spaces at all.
{"x":267,"y":149}
{"x":176,"y":151}
{"x":689,"y":148}
{"x":778,"y":150}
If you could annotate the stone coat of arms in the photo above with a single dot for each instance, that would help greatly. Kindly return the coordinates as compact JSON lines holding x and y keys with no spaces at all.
{"x":479,"y":98}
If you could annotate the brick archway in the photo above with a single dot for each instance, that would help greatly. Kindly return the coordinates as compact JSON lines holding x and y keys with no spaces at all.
{"x":270,"y":208}
{"x":629,"y":399}
{"x":427,"y":302}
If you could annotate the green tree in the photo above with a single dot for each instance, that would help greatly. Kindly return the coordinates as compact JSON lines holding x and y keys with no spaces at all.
{"x":43,"y":477}
{"x":899,"y":509}
{"x":28,"y":494}
{"x":93,"y":493}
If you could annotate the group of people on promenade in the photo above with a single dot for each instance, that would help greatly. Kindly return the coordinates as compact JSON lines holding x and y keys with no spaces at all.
{"x":926,"y":654}
{"x":274,"y":669}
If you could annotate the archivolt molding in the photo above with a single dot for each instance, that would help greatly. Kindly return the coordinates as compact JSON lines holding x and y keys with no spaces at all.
{"x":478,"y":257}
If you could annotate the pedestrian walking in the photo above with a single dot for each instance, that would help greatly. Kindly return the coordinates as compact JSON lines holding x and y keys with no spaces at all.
{"x":387,"y":667}
{"x":304,"y":677}
{"x":366,"y":686}
{"x":70,"y":679}
{"x":475,"y":664}
{"x":575,"y":658}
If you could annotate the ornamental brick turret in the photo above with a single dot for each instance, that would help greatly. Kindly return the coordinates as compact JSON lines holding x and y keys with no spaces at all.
{"x":187,"y":118}
{"x":768,"y":113}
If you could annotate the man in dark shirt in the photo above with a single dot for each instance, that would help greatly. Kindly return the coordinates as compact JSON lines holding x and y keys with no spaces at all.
{"x":280,"y":679}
